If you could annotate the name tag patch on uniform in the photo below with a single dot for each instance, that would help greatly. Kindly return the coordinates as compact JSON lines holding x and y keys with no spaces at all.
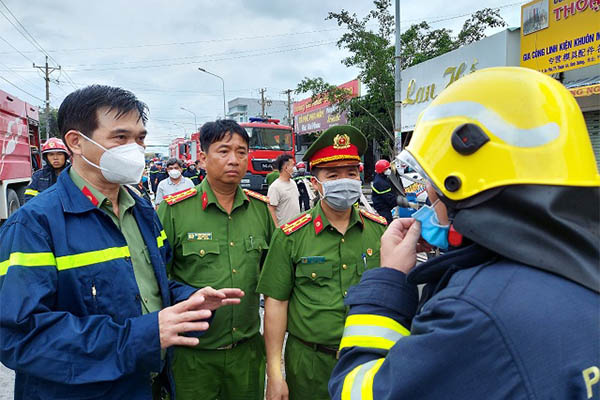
{"x":199,"y":235}
{"x":312,"y":260}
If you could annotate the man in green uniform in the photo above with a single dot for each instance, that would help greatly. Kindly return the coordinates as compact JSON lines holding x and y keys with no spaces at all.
{"x":272,"y":177}
{"x":219,"y":233}
{"x":312,"y":262}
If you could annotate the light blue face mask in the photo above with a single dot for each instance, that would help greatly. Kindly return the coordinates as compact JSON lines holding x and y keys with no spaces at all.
{"x":431,"y":230}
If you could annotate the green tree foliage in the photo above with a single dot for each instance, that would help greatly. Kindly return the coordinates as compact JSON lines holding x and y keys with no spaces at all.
{"x":372,"y":53}
{"x":53,"y":123}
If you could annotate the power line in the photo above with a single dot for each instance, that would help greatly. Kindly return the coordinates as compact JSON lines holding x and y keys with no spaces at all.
{"x":195,"y":41}
{"x":443,"y":19}
{"x":22,"y":90}
{"x":17,"y":50}
{"x":29,"y":37}
{"x":256,"y":37}
{"x":35,"y":42}
{"x":17,"y":29}
{"x":196,"y":62}
{"x":33,"y":85}
{"x":197,"y":56}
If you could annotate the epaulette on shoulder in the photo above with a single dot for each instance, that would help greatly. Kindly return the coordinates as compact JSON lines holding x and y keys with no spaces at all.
{"x":180,"y":196}
{"x":373,"y":217}
{"x":258,"y":196}
{"x":296,"y":224}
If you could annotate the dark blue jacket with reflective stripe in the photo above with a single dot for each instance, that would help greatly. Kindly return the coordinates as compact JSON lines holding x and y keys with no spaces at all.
{"x":41,"y":180}
{"x":383,"y":196}
{"x":64,"y":339}
{"x":489,"y":328}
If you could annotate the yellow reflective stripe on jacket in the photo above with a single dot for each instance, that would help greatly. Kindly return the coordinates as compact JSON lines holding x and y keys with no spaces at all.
{"x":374,"y":331}
{"x":27,"y":260}
{"x":382,"y":192}
{"x":64,"y":262}
{"x":31,"y":192}
{"x":91,"y":257}
{"x":358,"y":384}
{"x":160,"y":241}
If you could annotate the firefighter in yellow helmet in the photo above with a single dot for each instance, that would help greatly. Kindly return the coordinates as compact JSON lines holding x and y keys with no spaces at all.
{"x":512,"y":309}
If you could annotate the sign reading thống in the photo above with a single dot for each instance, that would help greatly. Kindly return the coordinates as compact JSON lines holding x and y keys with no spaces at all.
{"x":560,"y":35}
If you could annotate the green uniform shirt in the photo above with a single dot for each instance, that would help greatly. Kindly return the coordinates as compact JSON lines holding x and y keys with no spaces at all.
{"x":213,"y":248}
{"x":140,"y":257}
{"x":272,"y":177}
{"x":314,"y":266}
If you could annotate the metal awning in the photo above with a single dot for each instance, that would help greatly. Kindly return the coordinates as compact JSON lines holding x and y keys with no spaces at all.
{"x":584,"y":87}
{"x":592,"y":80}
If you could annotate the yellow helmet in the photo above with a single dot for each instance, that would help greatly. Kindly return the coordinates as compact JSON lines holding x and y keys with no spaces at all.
{"x":502,"y":126}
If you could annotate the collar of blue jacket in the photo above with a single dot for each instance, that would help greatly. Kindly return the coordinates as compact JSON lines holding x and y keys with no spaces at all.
{"x":75,"y":202}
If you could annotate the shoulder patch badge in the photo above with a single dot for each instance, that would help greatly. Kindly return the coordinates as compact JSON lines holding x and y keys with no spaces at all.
{"x":256,"y":195}
{"x":318,"y":224}
{"x":87,"y":193}
{"x":296,"y":224}
{"x":374,"y":217}
{"x":180,"y":196}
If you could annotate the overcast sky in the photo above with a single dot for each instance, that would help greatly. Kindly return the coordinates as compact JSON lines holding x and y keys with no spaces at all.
{"x":154,"y":48}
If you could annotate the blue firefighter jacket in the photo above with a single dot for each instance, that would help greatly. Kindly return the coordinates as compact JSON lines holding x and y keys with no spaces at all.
{"x":384,"y":198}
{"x":64,"y":339}
{"x":41,"y":180}
{"x":489,"y":328}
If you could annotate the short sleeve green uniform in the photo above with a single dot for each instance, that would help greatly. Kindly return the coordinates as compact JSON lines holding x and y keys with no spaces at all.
{"x":272,"y":177}
{"x":213,"y":248}
{"x":312,"y":265}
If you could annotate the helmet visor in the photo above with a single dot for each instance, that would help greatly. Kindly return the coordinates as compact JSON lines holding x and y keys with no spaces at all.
{"x":407,"y":158}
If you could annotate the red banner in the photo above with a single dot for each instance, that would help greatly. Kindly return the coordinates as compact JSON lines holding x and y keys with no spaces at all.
{"x":306,"y":105}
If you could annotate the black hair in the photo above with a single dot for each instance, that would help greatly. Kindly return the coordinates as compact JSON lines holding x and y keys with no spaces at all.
{"x":173,"y":161}
{"x":78,"y":110}
{"x":281,"y":160}
{"x":215,"y":131}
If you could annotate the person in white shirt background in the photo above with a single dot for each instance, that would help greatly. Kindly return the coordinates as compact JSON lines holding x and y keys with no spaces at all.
{"x":283,"y":193}
{"x":174,"y":183}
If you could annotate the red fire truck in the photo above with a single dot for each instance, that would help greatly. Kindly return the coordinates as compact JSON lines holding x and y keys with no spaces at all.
{"x":268,"y":140}
{"x":20,"y":156}
{"x":185,"y":149}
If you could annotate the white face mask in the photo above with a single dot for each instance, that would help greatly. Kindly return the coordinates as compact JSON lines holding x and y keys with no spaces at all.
{"x":174,"y":173}
{"x":121,"y":164}
{"x":387,"y":172}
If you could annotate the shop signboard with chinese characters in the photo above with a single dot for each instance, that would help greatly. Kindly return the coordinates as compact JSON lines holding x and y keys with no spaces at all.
{"x":423,"y":82}
{"x":560,"y":35}
{"x":318,"y":114}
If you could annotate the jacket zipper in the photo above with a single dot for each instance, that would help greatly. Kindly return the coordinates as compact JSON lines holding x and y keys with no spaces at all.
{"x":94,"y":296}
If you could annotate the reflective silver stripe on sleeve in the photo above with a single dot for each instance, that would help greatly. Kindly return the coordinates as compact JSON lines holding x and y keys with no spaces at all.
{"x":377,"y":331}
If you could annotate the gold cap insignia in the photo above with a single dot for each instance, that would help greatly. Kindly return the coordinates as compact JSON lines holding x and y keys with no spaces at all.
{"x":341,"y":142}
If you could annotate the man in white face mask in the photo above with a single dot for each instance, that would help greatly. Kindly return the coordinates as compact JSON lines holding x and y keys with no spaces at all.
{"x":175,"y":183}
{"x":87,"y":309}
{"x":312,"y":262}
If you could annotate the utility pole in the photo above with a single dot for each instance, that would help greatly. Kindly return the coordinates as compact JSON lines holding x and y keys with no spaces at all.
{"x":397,"y":86}
{"x":289,"y":105}
{"x":47,"y":71}
{"x":264,"y":102}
